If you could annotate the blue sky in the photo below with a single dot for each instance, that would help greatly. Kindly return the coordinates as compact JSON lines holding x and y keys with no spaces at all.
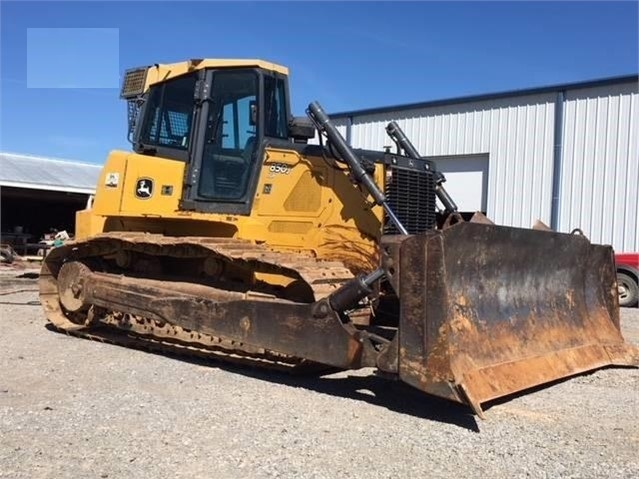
{"x":347,"y":55}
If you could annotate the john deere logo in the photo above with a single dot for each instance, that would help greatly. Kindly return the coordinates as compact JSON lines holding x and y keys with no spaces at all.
{"x":144,"y":188}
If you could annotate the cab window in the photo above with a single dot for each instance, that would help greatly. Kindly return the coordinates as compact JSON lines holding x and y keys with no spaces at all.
{"x":230,"y":141}
{"x":275,"y":115}
{"x":169,"y":114}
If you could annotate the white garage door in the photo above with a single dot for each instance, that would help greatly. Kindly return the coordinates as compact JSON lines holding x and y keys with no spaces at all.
{"x":466,"y":180}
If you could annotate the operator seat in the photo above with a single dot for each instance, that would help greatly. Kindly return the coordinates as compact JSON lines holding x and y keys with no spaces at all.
{"x":247,"y":152}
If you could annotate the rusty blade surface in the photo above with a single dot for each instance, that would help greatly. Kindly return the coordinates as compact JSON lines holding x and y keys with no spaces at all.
{"x":487,"y":311}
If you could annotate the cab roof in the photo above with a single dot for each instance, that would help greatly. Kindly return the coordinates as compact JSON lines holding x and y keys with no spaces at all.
{"x":164,"y":71}
{"x":137,"y":81}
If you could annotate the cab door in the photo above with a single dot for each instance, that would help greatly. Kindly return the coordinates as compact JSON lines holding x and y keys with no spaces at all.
{"x":225,"y":162}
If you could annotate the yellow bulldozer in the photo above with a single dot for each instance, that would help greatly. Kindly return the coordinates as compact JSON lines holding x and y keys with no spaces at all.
{"x":226,"y":232}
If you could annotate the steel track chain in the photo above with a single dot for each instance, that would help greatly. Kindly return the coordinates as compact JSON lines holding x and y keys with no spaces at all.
{"x":323,"y":277}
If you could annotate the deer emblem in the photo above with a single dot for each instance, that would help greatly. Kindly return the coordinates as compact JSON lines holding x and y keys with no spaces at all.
{"x":144,"y":188}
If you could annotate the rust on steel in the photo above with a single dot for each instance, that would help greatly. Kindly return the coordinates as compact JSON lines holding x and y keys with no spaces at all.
{"x":510,"y":311}
{"x":273,"y":324}
{"x":200,"y":317}
{"x":478,"y":311}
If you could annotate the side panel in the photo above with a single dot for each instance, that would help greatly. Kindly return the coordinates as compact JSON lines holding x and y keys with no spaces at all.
{"x":152,"y":186}
{"x":88,"y":224}
{"x":305,"y":203}
{"x":108,"y":192}
{"x":301,"y":203}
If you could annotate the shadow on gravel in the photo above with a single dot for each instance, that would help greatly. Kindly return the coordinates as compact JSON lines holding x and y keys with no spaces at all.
{"x":29,"y":275}
{"x":392,"y":395}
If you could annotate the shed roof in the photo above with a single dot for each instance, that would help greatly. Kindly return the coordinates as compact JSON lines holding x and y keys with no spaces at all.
{"x":634,"y":78}
{"x":52,"y":174}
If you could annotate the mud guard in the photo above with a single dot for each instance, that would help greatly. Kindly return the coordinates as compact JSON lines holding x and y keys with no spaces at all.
{"x":488,"y":310}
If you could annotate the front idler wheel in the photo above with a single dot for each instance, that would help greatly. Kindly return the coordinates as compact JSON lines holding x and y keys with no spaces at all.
{"x":71,"y":286}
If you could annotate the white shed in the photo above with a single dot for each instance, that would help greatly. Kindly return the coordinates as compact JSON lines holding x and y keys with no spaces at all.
{"x":566,"y":154}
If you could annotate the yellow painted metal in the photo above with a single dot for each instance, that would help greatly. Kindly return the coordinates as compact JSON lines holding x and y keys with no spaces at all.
{"x":161,"y":72}
{"x":88,"y":223}
{"x":109,"y":191}
{"x":300,"y":204}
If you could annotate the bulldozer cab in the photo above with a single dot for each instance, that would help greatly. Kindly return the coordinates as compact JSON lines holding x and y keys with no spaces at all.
{"x":216,"y":119}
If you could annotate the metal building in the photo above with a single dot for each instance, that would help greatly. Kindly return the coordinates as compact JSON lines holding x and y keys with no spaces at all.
{"x":566,"y":154}
{"x":38,"y":195}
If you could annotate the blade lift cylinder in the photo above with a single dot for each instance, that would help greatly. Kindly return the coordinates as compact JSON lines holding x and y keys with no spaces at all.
{"x":357,"y":289}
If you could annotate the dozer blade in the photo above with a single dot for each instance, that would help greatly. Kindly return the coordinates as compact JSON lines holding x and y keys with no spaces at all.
{"x":488,"y":310}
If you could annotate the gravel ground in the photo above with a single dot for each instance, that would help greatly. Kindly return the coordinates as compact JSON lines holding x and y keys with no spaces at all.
{"x":72,"y":408}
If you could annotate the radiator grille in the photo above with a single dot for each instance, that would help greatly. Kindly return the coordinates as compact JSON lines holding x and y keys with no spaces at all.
{"x":411,"y":195}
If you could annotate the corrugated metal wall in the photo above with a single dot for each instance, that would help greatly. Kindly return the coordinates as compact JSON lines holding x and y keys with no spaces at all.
{"x":340,"y":123}
{"x":599,"y":182}
{"x":521,"y":127}
{"x":600,"y":165}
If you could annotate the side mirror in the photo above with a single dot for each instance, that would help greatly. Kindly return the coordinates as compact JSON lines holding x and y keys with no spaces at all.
{"x":253,"y":113}
{"x":301,"y":129}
